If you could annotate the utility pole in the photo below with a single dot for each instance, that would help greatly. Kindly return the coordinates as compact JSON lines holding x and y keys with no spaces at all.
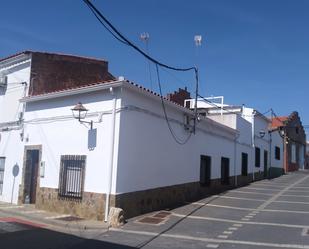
{"x":198,"y":43}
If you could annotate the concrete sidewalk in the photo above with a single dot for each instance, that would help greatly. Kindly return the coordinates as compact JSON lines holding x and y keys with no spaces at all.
{"x":55,"y":220}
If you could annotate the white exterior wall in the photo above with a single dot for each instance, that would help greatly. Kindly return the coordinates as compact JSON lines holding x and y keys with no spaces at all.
{"x":17,"y":71}
{"x":12,"y":149}
{"x":277,"y":140}
{"x":260,"y":124}
{"x":150,"y":158}
{"x":9,"y":102}
{"x":243,"y":141}
{"x":71,"y":138}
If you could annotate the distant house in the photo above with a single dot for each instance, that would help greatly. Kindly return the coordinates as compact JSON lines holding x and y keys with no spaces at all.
{"x":262,"y":146}
{"x":307,"y":156}
{"x":294,"y":136}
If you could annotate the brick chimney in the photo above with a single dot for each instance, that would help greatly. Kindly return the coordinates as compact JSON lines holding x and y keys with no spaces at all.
{"x":179,"y":97}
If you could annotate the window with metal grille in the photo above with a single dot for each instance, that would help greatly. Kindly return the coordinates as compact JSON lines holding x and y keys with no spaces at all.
{"x":72,"y":175}
{"x":2,"y":161}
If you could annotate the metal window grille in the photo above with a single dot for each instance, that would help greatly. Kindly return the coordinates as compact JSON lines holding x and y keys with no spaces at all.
{"x":72,"y":175}
{"x":2,"y":161}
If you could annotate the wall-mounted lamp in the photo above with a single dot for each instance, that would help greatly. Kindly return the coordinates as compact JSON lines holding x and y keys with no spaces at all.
{"x":80,"y":112}
{"x":262,"y":133}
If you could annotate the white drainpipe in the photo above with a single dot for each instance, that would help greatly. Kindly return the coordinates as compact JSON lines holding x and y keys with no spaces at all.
{"x":111,"y":160}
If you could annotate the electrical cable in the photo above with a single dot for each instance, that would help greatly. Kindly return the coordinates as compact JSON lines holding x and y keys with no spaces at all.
{"x":117,"y":34}
{"x":98,"y":18}
{"x":177,"y":140}
{"x":129,"y":43}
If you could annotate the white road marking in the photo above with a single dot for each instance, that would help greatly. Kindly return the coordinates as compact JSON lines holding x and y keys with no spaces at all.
{"x":211,"y":240}
{"x":227,"y":232}
{"x":231,"y":207}
{"x":212,"y":245}
{"x":249,"y":216}
{"x":299,"y":196}
{"x":233,"y":228}
{"x":57,"y":216}
{"x":305,"y":231}
{"x":241,"y":198}
{"x":293,"y":202}
{"x":270,"y":184}
{"x":222,"y":236}
{"x":277,"y":195}
{"x":266,"y":189}
{"x":238,"y":223}
{"x":245,"y":219}
{"x":296,"y":191}
{"x":250,"y":192}
{"x":260,"y":209}
{"x":285,"y":211}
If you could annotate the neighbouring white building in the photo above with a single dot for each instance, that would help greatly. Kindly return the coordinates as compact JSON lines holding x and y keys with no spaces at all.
{"x":258,"y":146}
{"x":123,"y":153}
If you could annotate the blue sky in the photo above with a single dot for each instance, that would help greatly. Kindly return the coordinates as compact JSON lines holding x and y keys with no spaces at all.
{"x":253,"y":52}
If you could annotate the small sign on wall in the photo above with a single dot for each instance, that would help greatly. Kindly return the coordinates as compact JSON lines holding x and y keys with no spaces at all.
{"x":92,"y":139}
{"x":42,"y":169}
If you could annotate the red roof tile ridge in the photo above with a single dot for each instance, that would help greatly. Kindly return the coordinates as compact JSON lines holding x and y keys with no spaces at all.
{"x":14,"y":55}
{"x":75,"y":87}
{"x":151,"y":92}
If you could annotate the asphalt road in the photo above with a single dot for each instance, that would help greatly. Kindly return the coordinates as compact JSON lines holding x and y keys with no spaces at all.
{"x":265,"y":214}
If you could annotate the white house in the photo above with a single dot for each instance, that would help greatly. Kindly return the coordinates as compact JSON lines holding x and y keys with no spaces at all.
{"x":123,"y":154}
{"x":262,"y":144}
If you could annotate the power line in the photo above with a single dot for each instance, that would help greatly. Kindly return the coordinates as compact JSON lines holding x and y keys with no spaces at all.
{"x":128,"y":42}
{"x":117,"y":34}
{"x":177,"y":140}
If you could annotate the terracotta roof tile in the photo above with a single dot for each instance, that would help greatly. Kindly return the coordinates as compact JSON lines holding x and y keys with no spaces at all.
{"x":278,"y":121}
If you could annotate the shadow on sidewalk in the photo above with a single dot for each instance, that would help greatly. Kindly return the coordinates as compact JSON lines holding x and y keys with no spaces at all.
{"x":39,"y":238}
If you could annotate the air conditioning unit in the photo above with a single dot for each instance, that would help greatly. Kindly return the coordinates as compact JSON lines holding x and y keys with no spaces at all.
{"x":3,"y":80}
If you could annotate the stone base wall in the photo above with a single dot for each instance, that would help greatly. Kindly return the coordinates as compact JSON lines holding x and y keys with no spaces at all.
{"x":275,"y":172}
{"x":136,"y":203}
{"x":293,"y":167}
{"x":91,"y":206}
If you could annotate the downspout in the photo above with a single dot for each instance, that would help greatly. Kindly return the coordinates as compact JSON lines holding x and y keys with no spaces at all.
{"x":112,"y":151}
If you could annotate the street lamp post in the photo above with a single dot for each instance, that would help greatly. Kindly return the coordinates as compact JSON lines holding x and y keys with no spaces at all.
{"x":80,"y":113}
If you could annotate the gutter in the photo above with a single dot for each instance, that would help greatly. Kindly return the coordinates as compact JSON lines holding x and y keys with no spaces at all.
{"x":70,"y":92}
